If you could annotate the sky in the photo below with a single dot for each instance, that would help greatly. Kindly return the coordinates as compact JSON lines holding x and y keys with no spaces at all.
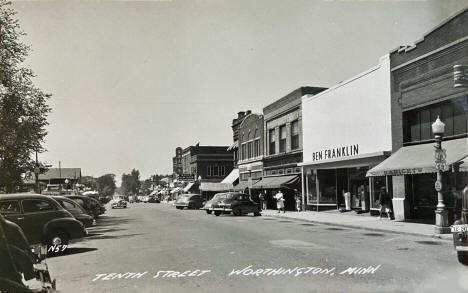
{"x":133,"y":80}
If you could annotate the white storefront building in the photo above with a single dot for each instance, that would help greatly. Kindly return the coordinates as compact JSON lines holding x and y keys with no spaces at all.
{"x":347,"y":131}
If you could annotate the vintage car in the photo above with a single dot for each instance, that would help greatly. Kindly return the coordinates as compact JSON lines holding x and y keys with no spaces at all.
{"x":153,"y":199}
{"x":460,"y":231}
{"x":236,"y":203}
{"x":92,"y":206}
{"x":208,"y":207}
{"x":189,"y":201}
{"x":42,"y":219}
{"x":118,"y":203}
{"x":76,"y":210}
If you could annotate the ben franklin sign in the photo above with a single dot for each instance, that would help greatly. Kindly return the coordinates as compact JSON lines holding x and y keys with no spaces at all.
{"x":335,"y":153}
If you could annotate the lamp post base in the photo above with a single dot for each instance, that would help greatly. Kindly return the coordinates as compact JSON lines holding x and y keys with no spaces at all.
{"x":441,"y":226}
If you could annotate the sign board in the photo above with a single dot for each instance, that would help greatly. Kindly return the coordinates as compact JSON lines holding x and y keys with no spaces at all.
{"x":438,"y":186}
{"x":460,"y":75}
{"x":187,"y":177}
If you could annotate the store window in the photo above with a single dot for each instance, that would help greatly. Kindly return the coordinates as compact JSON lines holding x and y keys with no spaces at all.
{"x":417,"y":123}
{"x":327,"y":186}
{"x":282,"y":139}
{"x":377,"y":184}
{"x":271,"y":139}
{"x":295,"y":135}
{"x":311,"y":188}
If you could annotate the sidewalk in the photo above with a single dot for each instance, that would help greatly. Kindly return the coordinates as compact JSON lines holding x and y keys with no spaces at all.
{"x":363,"y":221}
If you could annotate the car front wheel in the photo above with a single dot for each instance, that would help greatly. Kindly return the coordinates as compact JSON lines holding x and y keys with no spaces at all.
{"x":237,"y":212}
{"x":463,"y":257}
{"x":58,"y":237}
{"x":208,"y":212}
{"x":217,"y":213}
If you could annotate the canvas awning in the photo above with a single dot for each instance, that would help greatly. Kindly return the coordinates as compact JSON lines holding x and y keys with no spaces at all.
{"x":175,"y":190}
{"x":233,"y":176}
{"x":188,"y":187}
{"x":277,"y":182}
{"x":243,"y":185}
{"x":211,"y":186}
{"x":419,"y":159}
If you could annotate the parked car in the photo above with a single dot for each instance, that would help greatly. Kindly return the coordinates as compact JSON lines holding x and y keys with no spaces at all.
{"x":88,"y":203}
{"x":237,"y":204}
{"x":102,"y":208}
{"x":190,"y":201}
{"x":42,"y":218}
{"x":460,"y":231}
{"x":208,"y":207}
{"x":76,"y":210}
{"x":118,"y":203}
{"x":153,"y":199}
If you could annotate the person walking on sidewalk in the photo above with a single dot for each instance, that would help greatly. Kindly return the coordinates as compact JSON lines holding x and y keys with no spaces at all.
{"x":262,"y":200}
{"x":298,"y":200}
{"x":384,"y":200}
{"x":280,"y":201}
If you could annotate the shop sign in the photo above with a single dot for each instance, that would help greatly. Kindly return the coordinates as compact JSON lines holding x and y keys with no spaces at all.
{"x":334,"y":153}
{"x":399,"y":172}
{"x":460,"y":76}
{"x":187,"y":177}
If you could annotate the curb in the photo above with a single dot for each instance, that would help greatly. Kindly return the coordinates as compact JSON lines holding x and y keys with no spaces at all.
{"x":435,"y":236}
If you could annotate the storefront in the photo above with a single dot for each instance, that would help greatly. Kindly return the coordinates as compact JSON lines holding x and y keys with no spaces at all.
{"x":424,"y":88}
{"x":346,"y":132}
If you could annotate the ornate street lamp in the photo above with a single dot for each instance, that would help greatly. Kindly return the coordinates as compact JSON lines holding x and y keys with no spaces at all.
{"x":441,"y":226}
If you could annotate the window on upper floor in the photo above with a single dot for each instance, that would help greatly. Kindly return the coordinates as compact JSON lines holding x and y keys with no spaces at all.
{"x":208,"y":170}
{"x":282,"y":139}
{"x":271,"y":140}
{"x":417,"y":123}
{"x":295,"y":135}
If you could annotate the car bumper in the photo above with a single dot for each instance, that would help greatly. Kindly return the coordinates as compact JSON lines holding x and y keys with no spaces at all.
{"x":222,"y":209}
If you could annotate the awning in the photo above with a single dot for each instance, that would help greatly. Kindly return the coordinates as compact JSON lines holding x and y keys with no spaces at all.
{"x":233,"y":176}
{"x":243,"y":185}
{"x":154,"y":192}
{"x":233,"y":146}
{"x":210,"y":186}
{"x":419,"y":159}
{"x":188,"y":187}
{"x":175,"y":190}
{"x":277,"y":182}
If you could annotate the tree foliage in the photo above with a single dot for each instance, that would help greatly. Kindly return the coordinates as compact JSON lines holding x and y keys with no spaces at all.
{"x":23,"y":106}
{"x":106,"y":185}
{"x":131,"y":182}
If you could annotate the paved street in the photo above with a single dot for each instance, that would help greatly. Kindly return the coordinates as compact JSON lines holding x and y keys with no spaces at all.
{"x":152,"y":238}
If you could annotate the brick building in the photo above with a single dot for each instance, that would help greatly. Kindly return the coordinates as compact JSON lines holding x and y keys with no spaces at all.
{"x":250,"y":150}
{"x":211,"y":163}
{"x":282,"y":148}
{"x":422,"y":89}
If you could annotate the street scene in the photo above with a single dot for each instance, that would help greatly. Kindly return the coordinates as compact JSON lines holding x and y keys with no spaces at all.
{"x":234,"y":146}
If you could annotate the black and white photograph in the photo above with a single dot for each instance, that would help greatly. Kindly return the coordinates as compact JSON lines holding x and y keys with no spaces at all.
{"x":172,"y":146}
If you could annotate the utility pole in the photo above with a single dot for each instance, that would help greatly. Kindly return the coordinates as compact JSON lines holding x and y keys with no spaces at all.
{"x":36,"y":173}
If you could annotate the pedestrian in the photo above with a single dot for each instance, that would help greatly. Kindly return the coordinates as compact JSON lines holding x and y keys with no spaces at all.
{"x":280,"y":201}
{"x":261,"y":196}
{"x":298,"y":202}
{"x":384,"y":200}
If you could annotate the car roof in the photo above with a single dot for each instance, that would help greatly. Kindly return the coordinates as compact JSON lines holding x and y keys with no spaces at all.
{"x":23,"y":196}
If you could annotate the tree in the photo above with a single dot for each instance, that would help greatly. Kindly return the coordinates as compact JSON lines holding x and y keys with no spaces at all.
{"x":23,"y":107}
{"x":131,"y":182}
{"x":106,"y":185}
